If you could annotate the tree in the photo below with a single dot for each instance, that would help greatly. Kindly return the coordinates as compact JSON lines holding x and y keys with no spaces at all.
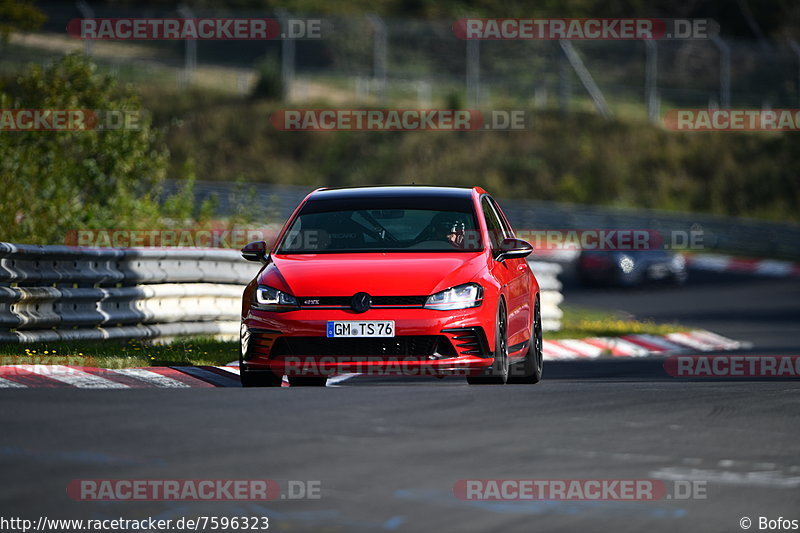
{"x":16,"y":16}
{"x":52,"y":182}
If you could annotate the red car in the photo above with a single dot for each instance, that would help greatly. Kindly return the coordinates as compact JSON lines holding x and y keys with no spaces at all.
{"x":397,"y":279}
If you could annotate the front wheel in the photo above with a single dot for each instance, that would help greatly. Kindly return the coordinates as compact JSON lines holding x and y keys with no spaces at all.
{"x":497,"y":374}
{"x":529,"y":371}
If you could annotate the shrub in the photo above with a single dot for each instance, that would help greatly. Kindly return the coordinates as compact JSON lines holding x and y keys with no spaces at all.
{"x":57,"y":181}
{"x":269,"y":85}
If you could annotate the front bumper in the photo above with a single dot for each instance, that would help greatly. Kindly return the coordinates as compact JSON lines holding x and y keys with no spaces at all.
{"x":426,"y":342}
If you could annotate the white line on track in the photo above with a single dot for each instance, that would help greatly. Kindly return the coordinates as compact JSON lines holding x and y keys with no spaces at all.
{"x":656,"y":340}
{"x":208,"y":376}
{"x":73,"y":376}
{"x":583,"y":348}
{"x":764,"y":479}
{"x":151,"y":378}
{"x":627,"y":348}
{"x":232,"y":369}
{"x":552,"y":350}
{"x":688,"y":340}
{"x":335,"y":380}
{"x":718,"y":341}
{"x":8,"y":384}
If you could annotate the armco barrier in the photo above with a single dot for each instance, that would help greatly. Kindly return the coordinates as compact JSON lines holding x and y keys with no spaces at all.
{"x":52,"y":293}
{"x":550,"y":293}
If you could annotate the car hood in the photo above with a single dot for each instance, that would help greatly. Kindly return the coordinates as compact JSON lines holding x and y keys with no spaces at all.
{"x":379,"y":274}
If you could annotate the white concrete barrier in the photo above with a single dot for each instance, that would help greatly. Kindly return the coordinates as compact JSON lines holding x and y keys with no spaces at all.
{"x":550,"y":292}
{"x":52,"y":293}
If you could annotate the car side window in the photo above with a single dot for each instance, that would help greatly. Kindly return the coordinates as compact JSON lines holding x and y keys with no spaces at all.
{"x":493,"y":223}
{"x":506,"y":226}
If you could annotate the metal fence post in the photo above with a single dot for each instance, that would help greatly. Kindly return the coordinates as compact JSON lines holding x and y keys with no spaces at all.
{"x":88,"y":13}
{"x":796,"y":49}
{"x":586,"y":78}
{"x":651,"y":79}
{"x":287,"y":56}
{"x":190,"y":51}
{"x":424,"y":98}
{"x":473,"y":73}
{"x":379,"y":52}
{"x":724,"y":72}
{"x":564,"y":84}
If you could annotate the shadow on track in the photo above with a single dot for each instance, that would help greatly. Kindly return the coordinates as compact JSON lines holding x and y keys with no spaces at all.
{"x":646,"y":369}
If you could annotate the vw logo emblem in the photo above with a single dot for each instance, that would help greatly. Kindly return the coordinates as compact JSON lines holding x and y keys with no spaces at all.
{"x":361,"y":302}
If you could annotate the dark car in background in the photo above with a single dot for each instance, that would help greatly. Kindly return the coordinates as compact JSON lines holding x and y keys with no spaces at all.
{"x":629,"y":268}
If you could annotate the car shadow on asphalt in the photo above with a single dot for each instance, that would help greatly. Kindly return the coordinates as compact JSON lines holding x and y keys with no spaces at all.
{"x":645,"y":369}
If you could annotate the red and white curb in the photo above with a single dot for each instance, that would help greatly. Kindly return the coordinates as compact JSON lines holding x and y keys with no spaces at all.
{"x":743,"y":265}
{"x":638,"y":345}
{"x":159,"y":377}
{"x":80,"y":377}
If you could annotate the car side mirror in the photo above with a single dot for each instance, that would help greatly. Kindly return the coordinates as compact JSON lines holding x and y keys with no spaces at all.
{"x":513,"y":249}
{"x":255,"y":251}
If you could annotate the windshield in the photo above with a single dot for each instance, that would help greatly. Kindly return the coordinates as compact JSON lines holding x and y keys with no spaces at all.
{"x":381,"y":230}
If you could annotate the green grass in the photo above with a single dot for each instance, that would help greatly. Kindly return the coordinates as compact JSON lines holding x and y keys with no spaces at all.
{"x":121,"y":354}
{"x":581,"y":322}
{"x":578,"y":323}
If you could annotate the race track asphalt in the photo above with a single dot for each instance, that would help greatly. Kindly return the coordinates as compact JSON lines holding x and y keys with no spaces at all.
{"x":388,"y":452}
{"x":764,"y":311}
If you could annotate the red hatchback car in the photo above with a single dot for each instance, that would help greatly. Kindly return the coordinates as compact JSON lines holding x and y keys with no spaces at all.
{"x":397,"y":279}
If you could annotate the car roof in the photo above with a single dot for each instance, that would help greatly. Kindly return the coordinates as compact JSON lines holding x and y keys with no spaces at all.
{"x":394,"y":191}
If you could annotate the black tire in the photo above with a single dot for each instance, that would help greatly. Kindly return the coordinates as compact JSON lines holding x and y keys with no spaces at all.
{"x":529,"y":371}
{"x":307,"y":381}
{"x":259,"y":378}
{"x":497,"y":374}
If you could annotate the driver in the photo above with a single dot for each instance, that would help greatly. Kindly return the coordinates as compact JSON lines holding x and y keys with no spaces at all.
{"x":455,"y":234}
{"x":445,"y":226}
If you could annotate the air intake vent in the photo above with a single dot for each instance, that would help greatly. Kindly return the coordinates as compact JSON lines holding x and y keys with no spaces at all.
{"x":469,"y":341}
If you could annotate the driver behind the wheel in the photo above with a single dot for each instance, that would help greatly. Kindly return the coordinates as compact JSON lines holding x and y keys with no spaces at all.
{"x":446,"y":226}
{"x":455,"y":234}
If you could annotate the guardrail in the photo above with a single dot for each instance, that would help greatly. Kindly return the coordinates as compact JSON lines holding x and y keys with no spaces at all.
{"x":50,"y":293}
{"x":550,"y":293}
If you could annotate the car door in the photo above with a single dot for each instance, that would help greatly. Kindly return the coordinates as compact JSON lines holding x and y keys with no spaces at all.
{"x":513,"y":274}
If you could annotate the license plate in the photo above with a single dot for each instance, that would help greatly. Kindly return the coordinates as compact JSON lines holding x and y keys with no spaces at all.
{"x":360,"y":328}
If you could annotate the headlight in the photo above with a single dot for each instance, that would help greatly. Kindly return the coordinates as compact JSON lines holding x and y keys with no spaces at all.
{"x":626,"y":264}
{"x":269,"y":299}
{"x":461,"y":297}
